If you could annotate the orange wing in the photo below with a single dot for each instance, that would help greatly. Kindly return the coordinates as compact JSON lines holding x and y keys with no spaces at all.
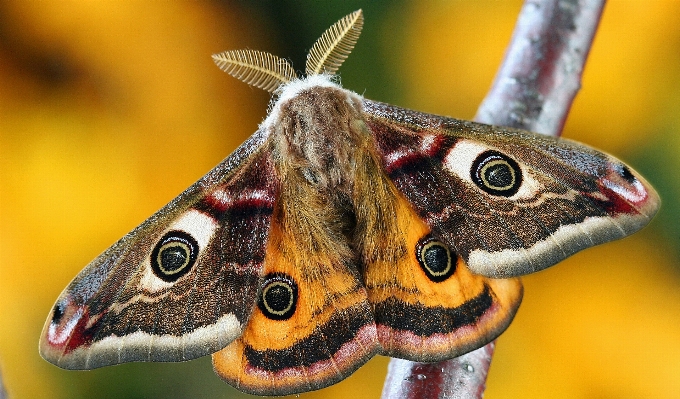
{"x":428,"y":306}
{"x":313,"y":325}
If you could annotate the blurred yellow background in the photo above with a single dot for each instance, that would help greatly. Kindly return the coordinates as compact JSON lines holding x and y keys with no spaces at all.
{"x":108,"y":110}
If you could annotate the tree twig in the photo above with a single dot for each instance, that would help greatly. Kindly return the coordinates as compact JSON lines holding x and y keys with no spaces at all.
{"x":541,"y":73}
{"x":462,"y":377}
{"x":533,"y":90}
{"x":3,"y":393}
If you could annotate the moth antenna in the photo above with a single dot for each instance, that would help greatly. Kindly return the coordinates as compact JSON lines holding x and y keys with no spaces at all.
{"x":257,"y":68}
{"x":333,"y":47}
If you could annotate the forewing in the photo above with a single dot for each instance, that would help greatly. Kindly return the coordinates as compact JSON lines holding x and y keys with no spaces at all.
{"x":179,"y":286}
{"x":510,"y":202}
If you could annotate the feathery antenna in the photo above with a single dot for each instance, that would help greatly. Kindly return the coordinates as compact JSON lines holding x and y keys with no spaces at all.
{"x":333,"y":47}
{"x":269,"y":72}
{"x":257,"y":68}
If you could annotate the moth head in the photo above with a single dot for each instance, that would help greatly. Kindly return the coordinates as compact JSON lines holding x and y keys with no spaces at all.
{"x":269,"y":72}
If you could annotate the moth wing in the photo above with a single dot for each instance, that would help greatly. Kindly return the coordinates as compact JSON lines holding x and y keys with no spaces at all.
{"x":510,"y":202}
{"x":428,"y":306}
{"x":313,"y":325}
{"x":179,"y":286}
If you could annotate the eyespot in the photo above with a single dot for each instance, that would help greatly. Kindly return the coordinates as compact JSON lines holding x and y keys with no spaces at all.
{"x":174,"y":255}
{"x":496,"y":174}
{"x":278,"y":297}
{"x":435,"y":258}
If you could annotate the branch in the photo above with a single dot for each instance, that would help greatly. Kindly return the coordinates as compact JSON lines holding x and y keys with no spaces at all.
{"x":462,"y":377}
{"x":3,"y":393}
{"x":534,"y":90}
{"x":541,"y":73}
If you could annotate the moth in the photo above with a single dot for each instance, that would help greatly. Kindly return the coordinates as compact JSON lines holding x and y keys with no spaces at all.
{"x":341,"y":229}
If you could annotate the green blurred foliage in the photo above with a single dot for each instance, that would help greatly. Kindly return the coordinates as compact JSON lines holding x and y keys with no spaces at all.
{"x":109,"y":110}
